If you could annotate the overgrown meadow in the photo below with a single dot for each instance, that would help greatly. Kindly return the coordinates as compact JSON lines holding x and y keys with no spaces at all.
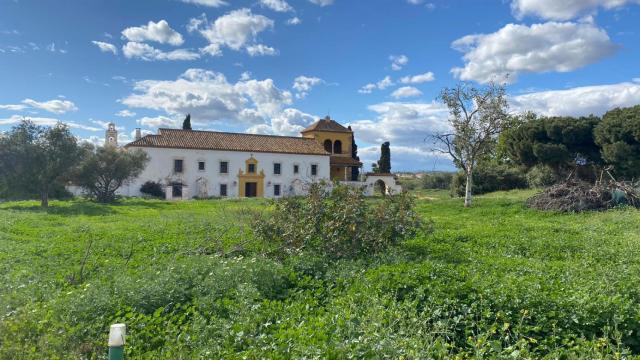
{"x":191,"y":281}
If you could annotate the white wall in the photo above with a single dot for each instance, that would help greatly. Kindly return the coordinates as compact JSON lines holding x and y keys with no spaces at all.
{"x":160,"y":169}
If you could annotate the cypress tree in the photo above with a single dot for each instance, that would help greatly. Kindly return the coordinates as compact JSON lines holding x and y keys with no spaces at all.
{"x":355,"y":171}
{"x":384,"y":164}
{"x":186,"y":124}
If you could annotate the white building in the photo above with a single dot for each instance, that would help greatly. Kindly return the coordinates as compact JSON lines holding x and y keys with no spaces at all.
{"x":203,"y":164}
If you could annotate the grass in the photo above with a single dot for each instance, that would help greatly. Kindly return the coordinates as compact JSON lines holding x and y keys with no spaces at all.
{"x":496,"y":280}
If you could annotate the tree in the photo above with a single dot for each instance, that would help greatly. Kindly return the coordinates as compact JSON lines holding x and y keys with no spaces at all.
{"x":618,"y":136}
{"x":106,"y":169}
{"x":355,"y":171}
{"x":35,"y":159}
{"x":374,"y":168}
{"x":564,"y":144}
{"x":477,"y":116}
{"x":384,"y":164}
{"x":186,"y":124}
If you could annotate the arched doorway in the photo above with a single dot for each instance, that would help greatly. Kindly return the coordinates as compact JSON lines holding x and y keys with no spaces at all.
{"x":337,"y":147}
{"x":380,"y":188}
{"x":328,"y":146}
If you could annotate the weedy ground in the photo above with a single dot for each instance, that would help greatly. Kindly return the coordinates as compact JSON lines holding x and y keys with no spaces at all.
{"x":189,"y":280}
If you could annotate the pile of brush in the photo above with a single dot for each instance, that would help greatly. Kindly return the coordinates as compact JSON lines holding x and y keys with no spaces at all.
{"x":576,"y":195}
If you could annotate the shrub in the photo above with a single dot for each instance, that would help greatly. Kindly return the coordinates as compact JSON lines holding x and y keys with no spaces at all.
{"x":541,"y":176}
{"x":490,"y":178}
{"x":340,"y":223}
{"x":152,"y":188}
{"x":437,"y":180}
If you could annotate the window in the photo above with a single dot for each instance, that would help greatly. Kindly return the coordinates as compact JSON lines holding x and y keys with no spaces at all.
{"x":337,"y":147}
{"x":201,"y":165}
{"x":296,"y":169}
{"x":177,"y":166}
{"x":327,"y":146}
{"x":276,"y":190}
{"x":223,"y":190}
{"x":251,"y":168}
{"x":314,"y":170}
{"x":276,"y":168}
{"x":224,"y":167}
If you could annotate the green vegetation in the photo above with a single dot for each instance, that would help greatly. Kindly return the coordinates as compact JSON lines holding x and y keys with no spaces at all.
{"x":189,"y":280}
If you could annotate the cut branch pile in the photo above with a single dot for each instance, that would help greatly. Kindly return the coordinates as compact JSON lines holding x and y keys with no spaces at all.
{"x":575,"y":196}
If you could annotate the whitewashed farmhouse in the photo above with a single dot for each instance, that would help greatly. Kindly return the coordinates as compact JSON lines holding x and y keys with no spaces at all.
{"x":203,"y":164}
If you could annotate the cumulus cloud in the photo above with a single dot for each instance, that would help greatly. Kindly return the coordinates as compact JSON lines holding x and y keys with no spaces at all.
{"x":578,"y":101}
{"x":418,"y":79}
{"x":125,"y":113}
{"x":52,"y":106}
{"x":13,"y":107}
{"x":322,"y":2}
{"x":146,"y":52}
{"x":159,"y":122}
{"x":276,"y":5}
{"x":106,"y":47}
{"x":303,"y":84}
{"x":289,"y":122}
{"x":564,"y":10}
{"x":406,"y":92}
{"x":380,"y":85}
{"x":159,"y":32}
{"x":237,"y":30}
{"x":516,"y":49}
{"x":209,"y":97}
{"x":398,"y":61}
{"x":294,"y":21}
{"x":45,"y":121}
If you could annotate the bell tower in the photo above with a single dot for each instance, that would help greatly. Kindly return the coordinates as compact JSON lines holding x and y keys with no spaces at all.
{"x":111,"y":135}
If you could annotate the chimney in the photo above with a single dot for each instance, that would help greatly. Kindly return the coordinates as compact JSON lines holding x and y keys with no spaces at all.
{"x":138,"y":134}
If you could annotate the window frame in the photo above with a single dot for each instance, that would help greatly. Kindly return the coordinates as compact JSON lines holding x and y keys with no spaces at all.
{"x":182,"y":168}
{"x":279,"y":187}
{"x":316,"y":167}
{"x":296,"y":169}
{"x":226,"y":190}
{"x":279,"y":165}
{"x":204,"y":166}
{"x":220,"y":167}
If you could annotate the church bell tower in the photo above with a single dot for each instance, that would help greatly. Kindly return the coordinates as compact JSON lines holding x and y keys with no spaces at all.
{"x":111,"y":135}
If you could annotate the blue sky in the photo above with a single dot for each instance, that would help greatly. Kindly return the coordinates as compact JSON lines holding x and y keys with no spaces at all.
{"x":274,"y":66}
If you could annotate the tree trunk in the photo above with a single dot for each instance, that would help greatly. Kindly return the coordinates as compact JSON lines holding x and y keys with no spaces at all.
{"x":44,"y":198}
{"x":467,"y":192}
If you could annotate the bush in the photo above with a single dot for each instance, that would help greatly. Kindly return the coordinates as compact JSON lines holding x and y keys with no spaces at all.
{"x":541,"y":176}
{"x":339,"y":224}
{"x":440,"y":181}
{"x":152,"y":188}
{"x":490,"y":178}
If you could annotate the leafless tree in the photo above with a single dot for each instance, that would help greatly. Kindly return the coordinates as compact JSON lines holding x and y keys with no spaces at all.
{"x":476,"y":117}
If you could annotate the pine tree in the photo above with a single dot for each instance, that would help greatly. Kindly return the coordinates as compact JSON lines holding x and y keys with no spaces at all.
{"x":355,"y":171}
{"x":384,"y":164}
{"x":186,"y":124}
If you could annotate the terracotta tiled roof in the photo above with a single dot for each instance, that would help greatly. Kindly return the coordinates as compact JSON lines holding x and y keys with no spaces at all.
{"x":326,"y":124}
{"x":343,"y":160}
{"x":212,"y":140}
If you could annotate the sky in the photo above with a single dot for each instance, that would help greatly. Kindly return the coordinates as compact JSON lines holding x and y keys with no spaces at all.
{"x":276,"y":66}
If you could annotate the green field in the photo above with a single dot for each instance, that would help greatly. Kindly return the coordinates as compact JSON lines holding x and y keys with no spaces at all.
{"x":188,"y":279}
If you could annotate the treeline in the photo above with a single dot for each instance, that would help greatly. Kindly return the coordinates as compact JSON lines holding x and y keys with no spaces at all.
{"x":38,"y":162}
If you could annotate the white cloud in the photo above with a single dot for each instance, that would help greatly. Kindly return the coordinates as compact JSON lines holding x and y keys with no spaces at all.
{"x":303,"y":84}
{"x":289,"y":122}
{"x":105,"y":125}
{"x":106,"y":47}
{"x":565,"y":9}
{"x":405,"y":92}
{"x":398,"y":61}
{"x":52,"y":106}
{"x":237,"y":30}
{"x":322,"y":2}
{"x":158,"y":122}
{"x":147,"y":52}
{"x":125,"y":113}
{"x":209,"y":97}
{"x":516,"y":49}
{"x":418,"y":79}
{"x":578,"y":101}
{"x":261,"y":50}
{"x":380,"y":85}
{"x":276,"y":5}
{"x":44,"y":121}
{"x":294,"y":21}
{"x":13,"y":107}
{"x":210,"y":3}
{"x":159,"y":32}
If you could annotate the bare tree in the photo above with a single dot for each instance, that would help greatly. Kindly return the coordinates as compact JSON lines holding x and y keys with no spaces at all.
{"x":476,"y":117}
